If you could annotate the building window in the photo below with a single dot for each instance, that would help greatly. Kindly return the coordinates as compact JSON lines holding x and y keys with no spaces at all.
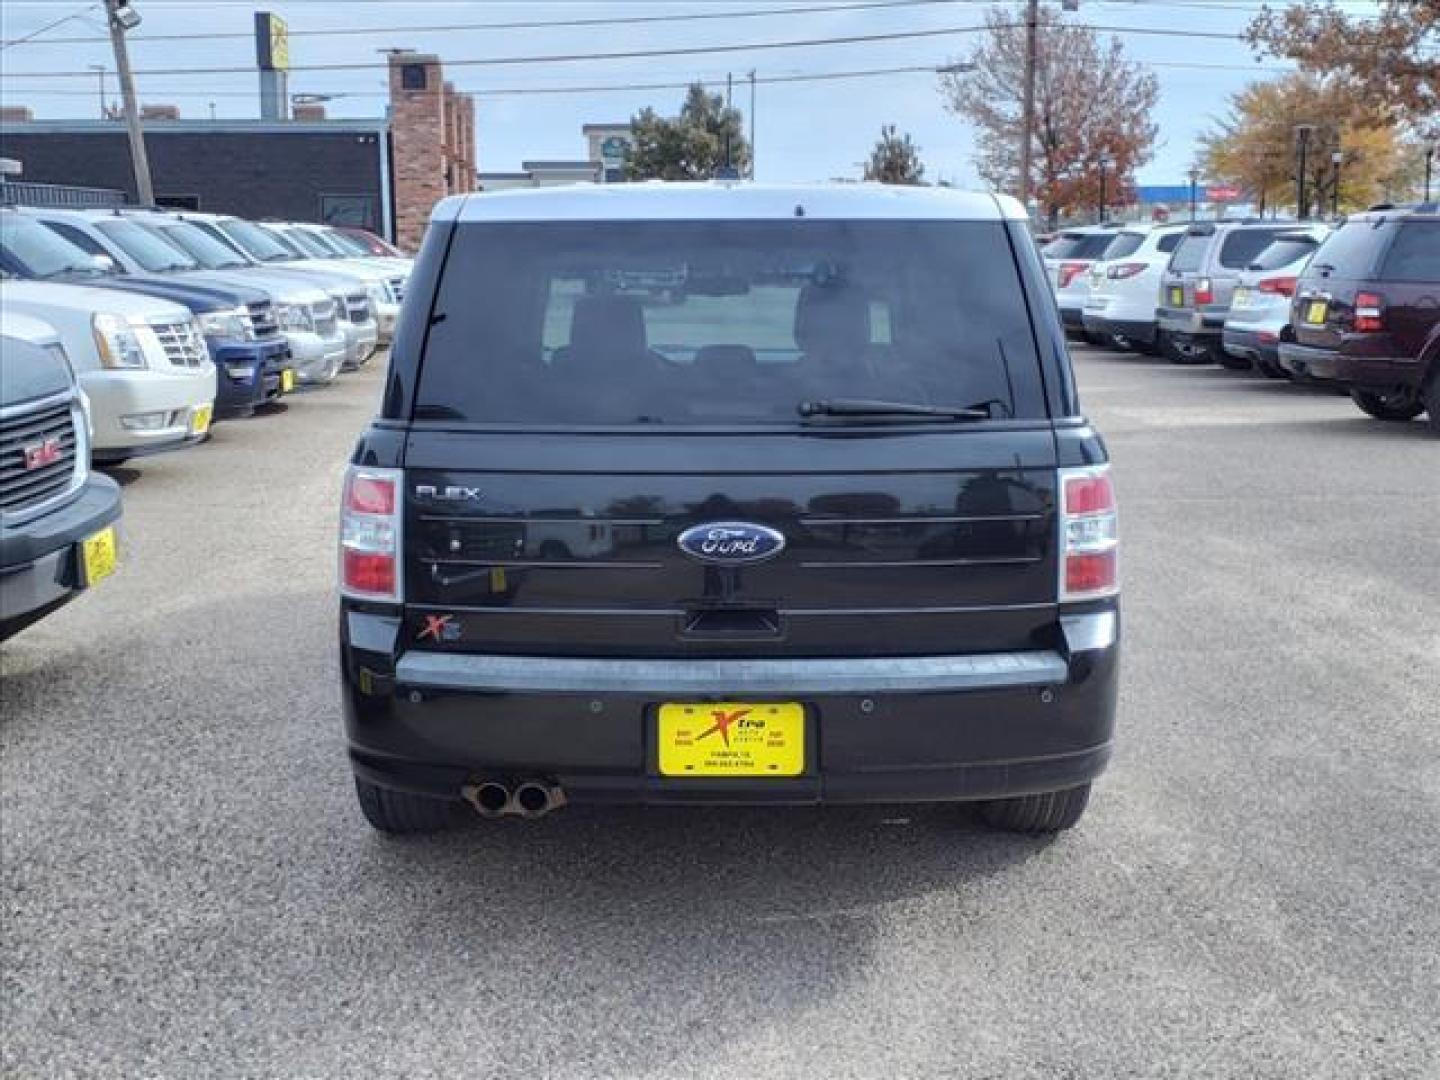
{"x":178,"y":202}
{"x":412,"y":76}
{"x":356,"y":211}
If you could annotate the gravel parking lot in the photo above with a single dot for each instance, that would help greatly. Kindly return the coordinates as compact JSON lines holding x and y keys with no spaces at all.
{"x":189,"y":889}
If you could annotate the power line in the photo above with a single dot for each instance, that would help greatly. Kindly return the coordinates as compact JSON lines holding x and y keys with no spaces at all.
{"x":631,"y":20}
{"x":554,"y":58}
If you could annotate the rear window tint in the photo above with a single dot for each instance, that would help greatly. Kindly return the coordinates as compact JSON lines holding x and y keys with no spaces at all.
{"x":1415,"y":255}
{"x":1239,"y":248}
{"x":721,"y":322}
{"x":1191,"y":252}
{"x":1169,"y":242}
{"x":1125,"y":243}
{"x":1079,"y":245}
{"x":1283,"y":253}
{"x":1349,"y":252}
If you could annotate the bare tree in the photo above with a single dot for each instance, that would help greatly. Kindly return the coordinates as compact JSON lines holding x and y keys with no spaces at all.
{"x":1092,"y":110}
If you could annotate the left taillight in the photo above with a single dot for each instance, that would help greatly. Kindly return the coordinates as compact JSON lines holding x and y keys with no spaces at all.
{"x":1069,"y":271}
{"x":1369,"y":313}
{"x":1090,"y":538}
{"x":1121,"y":271}
{"x":370,"y":534}
{"x":1204,"y":292}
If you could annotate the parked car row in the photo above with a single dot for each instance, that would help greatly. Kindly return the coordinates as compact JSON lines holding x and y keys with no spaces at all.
{"x":128,"y":332}
{"x":1356,"y":304}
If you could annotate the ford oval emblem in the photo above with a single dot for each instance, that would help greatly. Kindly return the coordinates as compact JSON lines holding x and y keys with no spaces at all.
{"x":731,"y":542}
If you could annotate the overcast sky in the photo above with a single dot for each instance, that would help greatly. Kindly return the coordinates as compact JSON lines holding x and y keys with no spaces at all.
{"x":804,"y":131}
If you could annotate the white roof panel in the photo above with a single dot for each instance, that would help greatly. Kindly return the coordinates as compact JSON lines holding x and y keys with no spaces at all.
{"x":726,"y":201}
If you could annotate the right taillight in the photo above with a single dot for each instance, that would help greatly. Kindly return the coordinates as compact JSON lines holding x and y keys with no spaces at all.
{"x":1069,"y":271}
{"x":1204,"y":292}
{"x":1369,"y":313}
{"x":370,"y":534}
{"x":1277,"y":286}
{"x":1090,"y":540}
{"x":1120,"y":271}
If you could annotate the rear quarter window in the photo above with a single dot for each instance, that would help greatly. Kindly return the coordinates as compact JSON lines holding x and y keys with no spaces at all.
{"x":1125,"y":243}
{"x":1169,"y":242}
{"x":1283,"y":252}
{"x":1415,"y":254}
{"x":704,"y":323}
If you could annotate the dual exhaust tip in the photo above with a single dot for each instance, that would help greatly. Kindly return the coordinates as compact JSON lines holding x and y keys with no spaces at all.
{"x":528,"y":799}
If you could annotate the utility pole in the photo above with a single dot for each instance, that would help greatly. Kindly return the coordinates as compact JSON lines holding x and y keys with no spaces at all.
{"x":752,"y":123}
{"x":122,"y":17}
{"x":1302,"y":204}
{"x":1027,"y":122}
{"x":99,"y":70}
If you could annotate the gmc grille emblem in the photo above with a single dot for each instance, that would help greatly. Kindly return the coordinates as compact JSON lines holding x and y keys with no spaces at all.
{"x":40,"y":454}
{"x":447,"y":494}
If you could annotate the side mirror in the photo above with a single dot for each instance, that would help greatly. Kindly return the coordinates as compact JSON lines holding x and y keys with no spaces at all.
{"x":105,"y":263}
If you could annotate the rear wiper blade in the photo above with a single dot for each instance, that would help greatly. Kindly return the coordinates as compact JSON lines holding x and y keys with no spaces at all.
{"x":860,"y":407}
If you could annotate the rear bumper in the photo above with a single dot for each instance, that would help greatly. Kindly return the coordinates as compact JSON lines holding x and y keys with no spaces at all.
{"x":1250,"y":345}
{"x":1308,"y":362}
{"x":1188,"y":323}
{"x":1377,"y":372}
{"x":1141,"y":333}
{"x":878,"y":729}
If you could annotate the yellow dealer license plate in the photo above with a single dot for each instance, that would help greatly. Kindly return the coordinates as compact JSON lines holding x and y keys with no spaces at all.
{"x":98,"y":556}
{"x":1315,"y":312}
{"x":1241,"y":299}
{"x":1177,"y":296}
{"x":200,"y":419}
{"x":732,"y":738}
{"x":287,"y":380}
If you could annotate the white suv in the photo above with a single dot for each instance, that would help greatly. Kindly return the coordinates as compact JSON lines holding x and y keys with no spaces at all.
{"x":1259,"y":315}
{"x":1121,"y":305}
{"x":141,"y":362}
{"x":1068,"y":258}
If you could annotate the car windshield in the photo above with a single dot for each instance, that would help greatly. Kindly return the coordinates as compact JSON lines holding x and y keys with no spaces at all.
{"x":39,"y":252}
{"x":1283,"y":252}
{"x":1190,"y":254}
{"x":349,"y":244}
{"x":307,"y":243}
{"x":150,"y":251}
{"x":722,"y":322}
{"x":199,"y":245}
{"x":1240,"y":247}
{"x":256,"y":242}
{"x":332,"y":243}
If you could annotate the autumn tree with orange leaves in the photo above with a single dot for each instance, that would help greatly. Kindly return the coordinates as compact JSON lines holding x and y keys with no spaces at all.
{"x":1092,"y":111}
{"x":1388,"y":65}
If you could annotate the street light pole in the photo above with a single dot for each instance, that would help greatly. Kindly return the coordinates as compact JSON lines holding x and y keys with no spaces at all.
{"x":122,"y":17}
{"x":1104,"y":165}
{"x":1027,"y":123}
{"x":752,"y":123}
{"x":1337,"y":158}
{"x":100,"y":70}
{"x":1429,"y":161}
{"x":1194,"y":179}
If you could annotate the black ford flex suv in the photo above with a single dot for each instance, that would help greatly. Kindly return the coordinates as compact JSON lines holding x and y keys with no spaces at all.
{"x":728,"y":494}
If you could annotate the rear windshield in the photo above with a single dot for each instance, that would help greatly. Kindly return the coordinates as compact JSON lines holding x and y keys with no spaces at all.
{"x":1078,"y":245}
{"x":1415,"y":255}
{"x":1239,"y":248}
{"x":1125,"y":243}
{"x":1191,"y":252}
{"x":1349,"y":252}
{"x":1284,"y":252}
{"x":721,"y":322}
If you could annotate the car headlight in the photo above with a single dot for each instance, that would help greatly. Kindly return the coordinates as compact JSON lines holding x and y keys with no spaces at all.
{"x":116,"y":342}
{"x":295,"y":317}
{"x":235,"y":323}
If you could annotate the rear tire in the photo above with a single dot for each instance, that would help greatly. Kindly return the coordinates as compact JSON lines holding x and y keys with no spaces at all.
{"x":1185,"y":352}
{"x":1270,"y":369}
{"x":401,"y":812}
{"x":1234,"y":363}
{"x":1397,"y":406}
{"x":1050,"y":811}
{"x":1431,"y":396}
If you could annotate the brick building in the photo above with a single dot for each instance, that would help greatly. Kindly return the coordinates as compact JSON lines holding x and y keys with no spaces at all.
{"x":381,"y":174}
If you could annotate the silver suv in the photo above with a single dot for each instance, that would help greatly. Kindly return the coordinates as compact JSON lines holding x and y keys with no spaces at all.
{"x":1197,"y":286}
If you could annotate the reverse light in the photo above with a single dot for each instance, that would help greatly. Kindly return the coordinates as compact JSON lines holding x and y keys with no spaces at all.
{"x":1204,"y":291}
{"x":370,"y":534}
{"x":1278,"y":286}
{"x":1090,"y":539}
{"x":1069,"y":271}
{"x":1120,"y":271}
{"x":1369,"y":313}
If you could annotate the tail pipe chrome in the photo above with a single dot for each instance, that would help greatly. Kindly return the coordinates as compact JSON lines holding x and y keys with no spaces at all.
{"x":528,"y":799}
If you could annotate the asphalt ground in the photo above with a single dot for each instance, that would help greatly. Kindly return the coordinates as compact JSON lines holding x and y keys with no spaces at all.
{"x":190,"y":891}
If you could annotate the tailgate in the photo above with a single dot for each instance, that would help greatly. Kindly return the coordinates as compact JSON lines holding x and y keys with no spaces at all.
{"x":896,"y":543}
